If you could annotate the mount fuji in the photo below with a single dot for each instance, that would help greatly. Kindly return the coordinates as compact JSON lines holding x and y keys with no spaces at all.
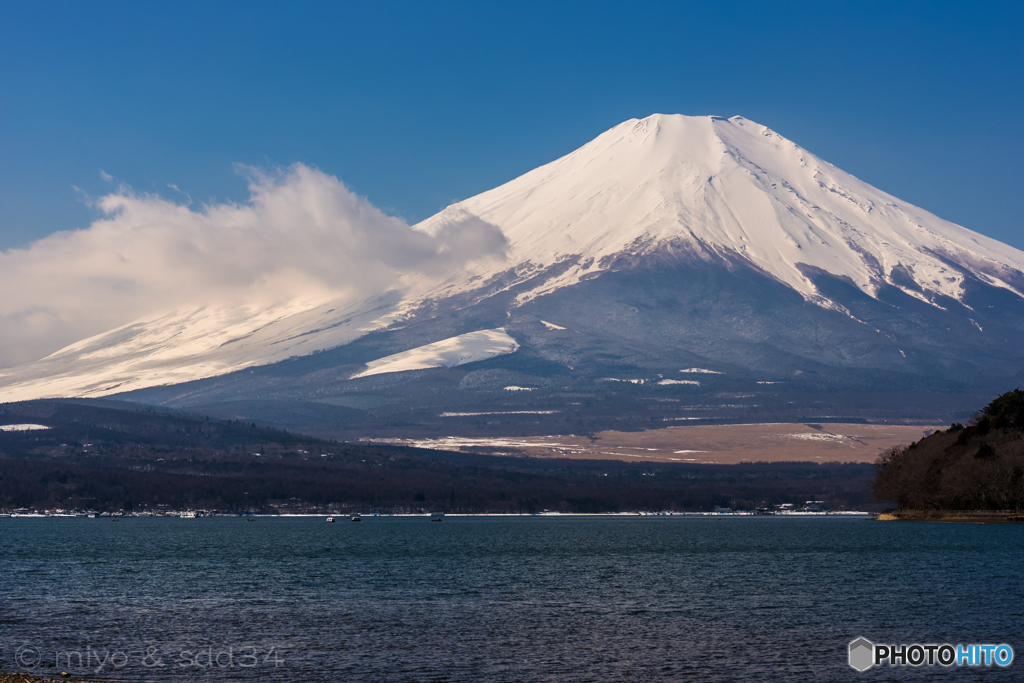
{"x":673,"y":268}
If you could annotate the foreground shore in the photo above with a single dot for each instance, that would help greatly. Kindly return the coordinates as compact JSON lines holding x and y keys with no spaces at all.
{"x":29,"y":678}
{"x":962,"y":516}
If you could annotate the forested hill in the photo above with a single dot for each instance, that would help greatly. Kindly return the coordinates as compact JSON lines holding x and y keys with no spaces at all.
{"x":975,"y":467}
{"x":113,"y":424}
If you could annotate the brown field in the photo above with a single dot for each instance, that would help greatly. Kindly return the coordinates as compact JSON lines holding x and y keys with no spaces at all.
{"x":718,"y":444}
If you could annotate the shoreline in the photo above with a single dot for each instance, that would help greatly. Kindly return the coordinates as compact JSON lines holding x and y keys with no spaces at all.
{"x":666,"y":513}
{"x":953,"y":516}
{"x":7,"y":677}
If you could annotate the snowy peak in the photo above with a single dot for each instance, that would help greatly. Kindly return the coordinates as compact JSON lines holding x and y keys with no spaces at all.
{"x":730,"y":186}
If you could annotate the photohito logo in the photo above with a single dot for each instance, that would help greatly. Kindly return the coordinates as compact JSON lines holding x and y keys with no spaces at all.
{"x":864,"y":654}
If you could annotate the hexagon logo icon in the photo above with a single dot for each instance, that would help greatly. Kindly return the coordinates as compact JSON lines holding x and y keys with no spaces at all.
{"x":862,"y":654}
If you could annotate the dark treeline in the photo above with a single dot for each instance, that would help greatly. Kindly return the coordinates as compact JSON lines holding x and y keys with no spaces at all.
{"x":101,"y":458}
{"x":429,"y":486}
{"x":975,"y":467}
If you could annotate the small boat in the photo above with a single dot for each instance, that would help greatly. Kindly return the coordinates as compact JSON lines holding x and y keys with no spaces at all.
{"x":330,"y":520}
{"x":437,"y":517}
{"x":356,"y":518}
{"x":250,"y":520}
{"x":188,"y":514}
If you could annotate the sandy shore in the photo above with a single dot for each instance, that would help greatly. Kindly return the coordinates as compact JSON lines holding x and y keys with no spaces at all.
{"x":961,"y":516}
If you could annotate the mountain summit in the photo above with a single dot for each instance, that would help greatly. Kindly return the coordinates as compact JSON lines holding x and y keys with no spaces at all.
{"x":711,"y":186}
{"x":666,"y":245}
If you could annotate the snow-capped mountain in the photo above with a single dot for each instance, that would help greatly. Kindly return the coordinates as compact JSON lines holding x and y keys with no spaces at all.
{"x":713,"y":186}
{"x":666,"y":243}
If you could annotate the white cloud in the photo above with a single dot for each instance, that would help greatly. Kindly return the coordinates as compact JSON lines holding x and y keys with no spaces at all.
{"x":301,"y":232}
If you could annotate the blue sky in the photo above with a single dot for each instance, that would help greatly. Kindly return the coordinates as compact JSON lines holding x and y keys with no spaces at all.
{"x":418,"y":104}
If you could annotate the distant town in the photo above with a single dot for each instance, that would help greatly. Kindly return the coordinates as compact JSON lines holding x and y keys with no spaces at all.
{"x":298,"y":508}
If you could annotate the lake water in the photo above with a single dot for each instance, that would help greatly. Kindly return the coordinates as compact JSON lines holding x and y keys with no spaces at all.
{"x":500,"y":598}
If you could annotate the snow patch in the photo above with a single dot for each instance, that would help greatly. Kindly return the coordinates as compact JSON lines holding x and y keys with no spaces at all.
{"x":551,"y":326}
{"x":819,"y":437}
{"x":679,"y":381}
{"x":22,"y":428}
{"x":702,"y":371}
{"x":447,"y":353}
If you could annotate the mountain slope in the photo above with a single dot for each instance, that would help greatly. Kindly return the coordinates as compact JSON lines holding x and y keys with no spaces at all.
{"x":665,"y":243}
{"x":184,"y":345}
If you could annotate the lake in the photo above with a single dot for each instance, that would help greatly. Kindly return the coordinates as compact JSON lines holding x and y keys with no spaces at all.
{"x":607,"y":598}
